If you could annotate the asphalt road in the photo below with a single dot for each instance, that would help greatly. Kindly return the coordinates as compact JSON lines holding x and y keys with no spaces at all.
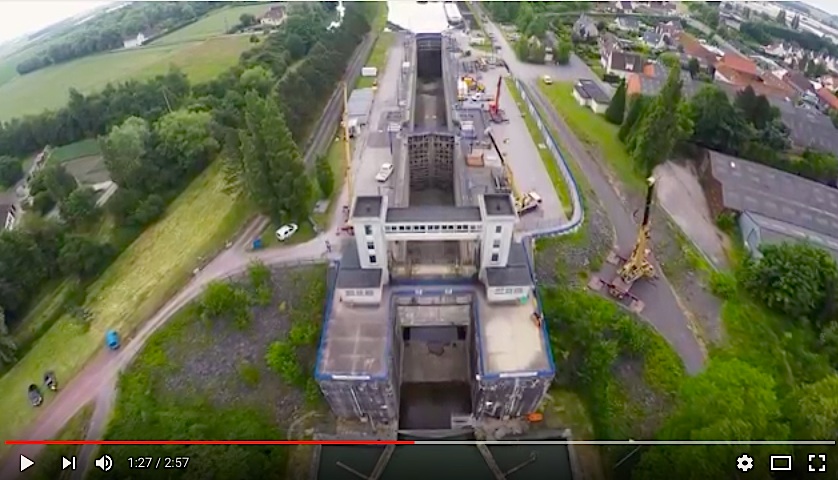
{"x":663,"y":310}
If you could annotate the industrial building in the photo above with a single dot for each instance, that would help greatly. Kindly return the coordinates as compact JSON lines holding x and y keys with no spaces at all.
{"x":434,"y":323}
{"x":775,"y":206}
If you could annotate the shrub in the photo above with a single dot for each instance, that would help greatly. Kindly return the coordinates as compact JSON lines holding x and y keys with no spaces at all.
{"x":723,"y":285}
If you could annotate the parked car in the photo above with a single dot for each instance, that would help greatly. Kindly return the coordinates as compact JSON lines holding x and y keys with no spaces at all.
{"x":35,"y":397}
{"x":285,"y":232}
{"x":547,"y":80}
{"x":384,"y":172}
{"x":112,"y":339}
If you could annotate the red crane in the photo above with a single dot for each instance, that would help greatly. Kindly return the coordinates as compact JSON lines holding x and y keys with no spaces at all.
{"x":494,"y":107}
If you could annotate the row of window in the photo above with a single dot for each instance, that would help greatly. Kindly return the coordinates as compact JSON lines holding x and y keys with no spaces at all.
{"x":359,"y":293}
{"x":502,"y":291}
{"x":431,"y":228}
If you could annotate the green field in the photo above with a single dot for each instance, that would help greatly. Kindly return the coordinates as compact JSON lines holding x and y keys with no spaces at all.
{"x":144,"y":277}
{"x":48,"y":88}
{"x":378,"y":58}
{"x":594,"y":130}
{"x":84,"y":148}
{"x":216,"y":23}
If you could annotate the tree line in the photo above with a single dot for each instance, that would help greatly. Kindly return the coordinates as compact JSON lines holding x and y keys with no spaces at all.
{"x":748,"y":127}
{"x":742,"y":398}
{"x":157,"y":135}
{"x":107,"y":31}
{"x":765,"y":33}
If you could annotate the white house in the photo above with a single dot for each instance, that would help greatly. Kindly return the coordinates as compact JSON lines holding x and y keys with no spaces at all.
{"x":8,"y":216}
{"x":588,"y":94}
{"x":132,"y":42}
{"x":274,"y":16}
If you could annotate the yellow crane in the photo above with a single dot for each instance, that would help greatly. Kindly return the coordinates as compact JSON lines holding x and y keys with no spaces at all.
{"x":637,"y":265}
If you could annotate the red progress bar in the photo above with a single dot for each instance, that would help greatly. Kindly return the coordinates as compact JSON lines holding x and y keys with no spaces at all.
{"x":209,"y":442}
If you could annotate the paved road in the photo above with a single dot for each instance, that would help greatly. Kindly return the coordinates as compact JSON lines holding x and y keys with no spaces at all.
{"x":663,"y":310}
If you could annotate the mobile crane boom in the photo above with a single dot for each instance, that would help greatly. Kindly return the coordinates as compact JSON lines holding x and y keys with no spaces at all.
{"x":637,"y":265}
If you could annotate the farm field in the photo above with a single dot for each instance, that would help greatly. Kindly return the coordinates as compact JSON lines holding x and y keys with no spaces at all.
{"x":216,"y":23}
{"x":48,"y":88}
{"x":132,"y":288}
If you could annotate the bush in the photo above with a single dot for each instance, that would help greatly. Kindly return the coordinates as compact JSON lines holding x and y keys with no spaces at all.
{"x":260,"y":282}
{"x":726,"y":222}
{"x":249,"y":373}
{"x":11,"y":170}
{"x":723,"y":285}
{"x":222,"y":299}
{"x":282,"y":359}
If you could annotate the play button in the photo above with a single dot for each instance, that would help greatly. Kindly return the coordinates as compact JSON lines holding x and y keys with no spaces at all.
{"x":25,"y":463}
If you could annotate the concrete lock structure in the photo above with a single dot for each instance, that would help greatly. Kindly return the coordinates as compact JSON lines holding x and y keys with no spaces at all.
{"x":433,"y":322}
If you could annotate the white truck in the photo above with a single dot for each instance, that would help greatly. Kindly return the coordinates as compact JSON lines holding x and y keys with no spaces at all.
{"x":462,"y":90}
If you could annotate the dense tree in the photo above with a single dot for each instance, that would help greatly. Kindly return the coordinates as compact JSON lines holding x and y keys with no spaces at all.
{"x":272,"y":169}
{"x":694,"y":67}
{"x":814,"y":409}
{"x":124,"y":150}
{"x":637,"y":107}
{"x":617,"y":108}
{"x":11,"y":170}
{"x":792,"y":279}
{"x":325,"y":176}
{"x":296,"y":47}
{"x":184,"y":139}
{"x":56,"y":181}
{"x":670,"y":60}
{"x":246,"y":20}
{"x":563,"y":52}
{"x":83,"y":257}
{"x":79,"y":209}
{"x":756,"y":108}
{"x":256,"y":78}
{"x":8,"y":348}
{"x":717,"y":125}
{"x":731,"y":400}
{"x":781,"y":17}
{"x":662,"y":126}
{"x":24,"y":266}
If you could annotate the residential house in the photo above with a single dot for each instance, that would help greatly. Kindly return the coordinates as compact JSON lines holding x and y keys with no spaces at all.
{"x":621,"y":63}
{"x":650,"y":80}
{"x":828,"y":99}
{"x":585,"y":28}
{"x":273,"y":17}
{"x":588,"y":94}
{"x":132,"y":42}
{"x":672,"y":28}
{"x":8,"y":214}
{"x":798,"y":81}
{"x":656,"y":8}
{"x":655,"y":41}
{"x":628,"y":24}
{"x":695,"y":49}
{"x":625,"y":7}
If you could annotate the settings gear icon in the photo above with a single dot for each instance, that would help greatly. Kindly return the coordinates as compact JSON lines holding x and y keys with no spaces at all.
{"x":745,"y":463}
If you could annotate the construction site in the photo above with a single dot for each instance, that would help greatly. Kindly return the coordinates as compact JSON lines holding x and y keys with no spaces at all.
{"x":434,"y":328}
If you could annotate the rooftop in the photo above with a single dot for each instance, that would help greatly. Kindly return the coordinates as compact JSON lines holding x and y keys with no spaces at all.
{"x":627,"y":62}
{"x":360,"y":102}
{"x":499,"y":204}
{"x":588,"y":89}
{"x":351,"y":275}
{"x":515,"y":274}
{"x":356,"y":341}
{"x":431,"y":213}
{"x":740,"y":63}
{"x":828,"y":97}
{"x":367,"y":206}
{"x":749,"y":186}
{"x":775,"y":231}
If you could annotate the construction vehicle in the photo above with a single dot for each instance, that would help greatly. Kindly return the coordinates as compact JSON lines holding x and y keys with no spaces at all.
{"x":636,"y":266}
{"x":527,"y":203}
{"x":495,"y":113}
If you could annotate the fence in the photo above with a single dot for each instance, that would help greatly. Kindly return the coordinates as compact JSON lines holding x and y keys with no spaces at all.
{"x":546,"y":228}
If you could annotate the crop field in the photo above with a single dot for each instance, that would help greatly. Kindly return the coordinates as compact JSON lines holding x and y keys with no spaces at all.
{"x":48,"y":88}
{"x":156,"y":265}
{"x":216,"y":23}
{"x":84,"y":148}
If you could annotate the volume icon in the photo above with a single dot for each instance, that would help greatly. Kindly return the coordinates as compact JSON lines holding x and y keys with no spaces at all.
{"x":104,"y":462}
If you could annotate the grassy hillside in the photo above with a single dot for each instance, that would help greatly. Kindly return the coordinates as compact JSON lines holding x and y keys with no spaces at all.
{"x":216,"y":23}
{"x":48,"y":88}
